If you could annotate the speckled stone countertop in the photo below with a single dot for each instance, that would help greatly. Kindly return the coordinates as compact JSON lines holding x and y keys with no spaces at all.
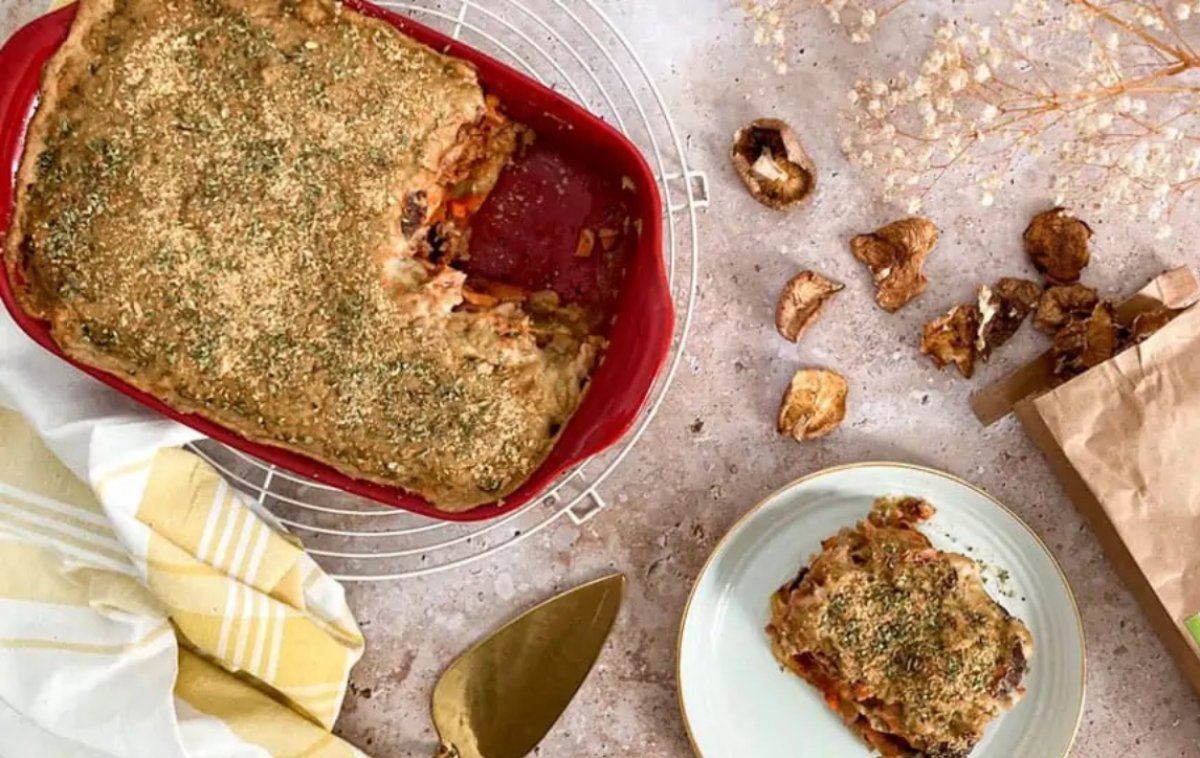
{"x":712,"y":452}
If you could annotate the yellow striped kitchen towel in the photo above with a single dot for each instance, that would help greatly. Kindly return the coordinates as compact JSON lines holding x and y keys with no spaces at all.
{"x":118,"y":634}
{"x":146,"y":608}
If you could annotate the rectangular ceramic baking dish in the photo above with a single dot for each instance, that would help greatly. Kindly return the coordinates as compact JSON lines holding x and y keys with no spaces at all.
{"x":580,"y":174}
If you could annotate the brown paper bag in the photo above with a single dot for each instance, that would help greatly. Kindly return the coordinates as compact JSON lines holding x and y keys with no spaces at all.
{"x":1178,"y":289}
{"x":1124,"y":439}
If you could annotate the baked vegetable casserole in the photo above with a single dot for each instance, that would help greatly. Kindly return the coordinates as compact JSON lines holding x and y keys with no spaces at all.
{"x":901,"y":639}
{"x":250,"y":209}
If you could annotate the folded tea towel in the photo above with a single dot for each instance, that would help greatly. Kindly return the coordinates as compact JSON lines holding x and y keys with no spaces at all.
{"x":146,"y":607}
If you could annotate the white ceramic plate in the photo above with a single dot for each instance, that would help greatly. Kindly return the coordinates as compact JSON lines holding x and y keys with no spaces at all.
{"x":738,"y":702}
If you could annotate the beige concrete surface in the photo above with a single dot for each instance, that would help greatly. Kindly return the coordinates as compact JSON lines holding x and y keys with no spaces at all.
{"x":713,"y":452}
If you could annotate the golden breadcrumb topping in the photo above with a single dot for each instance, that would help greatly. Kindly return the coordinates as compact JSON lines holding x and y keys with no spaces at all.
{"x":221,"y":210}
{"x":905,"y":636}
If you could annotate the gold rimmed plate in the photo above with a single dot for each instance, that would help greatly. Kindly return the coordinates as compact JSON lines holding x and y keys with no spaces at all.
{"x":737,"y":701}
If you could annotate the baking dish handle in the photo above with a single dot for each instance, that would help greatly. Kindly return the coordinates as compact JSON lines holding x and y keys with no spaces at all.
{"x":21,"y":60}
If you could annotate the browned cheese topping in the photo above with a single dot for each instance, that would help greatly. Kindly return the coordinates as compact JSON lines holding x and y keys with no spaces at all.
{"x":216,"y":214}
{"x":907,"y":628}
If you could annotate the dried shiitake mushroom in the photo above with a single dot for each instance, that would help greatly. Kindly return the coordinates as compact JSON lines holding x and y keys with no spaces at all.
{"x":814,"y":404}
{"x":951,"y":339}
{"x":772,"y":163}
{"x":895,"y":254}
{"x":801,"y":302}
{"x":1146,"y":324}
{"x":1019,"y":293}
{"x":1086,"y":342}
{"x":1069,"y":343}
{"x":1057,"y":243}
{"x":1059,"y":305}
{"x":1002,"y":310}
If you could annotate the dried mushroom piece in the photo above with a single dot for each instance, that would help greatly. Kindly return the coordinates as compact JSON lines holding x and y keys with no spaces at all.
{"x":951,"y":339}
{"x":801,"y":302}
{"x":896,"y":254}
{"x":814,"y":404}
{"x":1057,"y":243}
{"x":1002,"y":310}
{"x":1060,"y":305}
{"x":1087,"y":342}
{"x":772,"y":164}
{"x":1019,"y":293}
{"x":1103,"y":332}
{"x":1146,"y":324}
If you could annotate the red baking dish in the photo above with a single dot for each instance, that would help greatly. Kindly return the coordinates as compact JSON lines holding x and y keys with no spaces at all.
{"x":577,"y":176}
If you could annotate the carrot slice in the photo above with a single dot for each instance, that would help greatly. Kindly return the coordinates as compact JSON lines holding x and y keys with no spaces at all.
{"x":480,"y":299}
{"x":504,"y":292}
{"x":586,"y":243}
{"x":492,"y":111}
{"x":464,"y":207}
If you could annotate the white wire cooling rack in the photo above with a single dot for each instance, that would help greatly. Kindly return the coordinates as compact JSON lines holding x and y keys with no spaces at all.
{"x":573,"y":47}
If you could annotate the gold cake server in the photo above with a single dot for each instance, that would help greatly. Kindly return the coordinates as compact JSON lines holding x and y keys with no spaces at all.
{"x":501,"y":697}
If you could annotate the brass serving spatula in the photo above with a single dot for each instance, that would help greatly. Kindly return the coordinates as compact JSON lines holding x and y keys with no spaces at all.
{"x":501,"y":697}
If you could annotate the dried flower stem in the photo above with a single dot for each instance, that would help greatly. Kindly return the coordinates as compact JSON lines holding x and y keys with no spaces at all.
{"x":768,"y":18}
{"x":1110,"y":94}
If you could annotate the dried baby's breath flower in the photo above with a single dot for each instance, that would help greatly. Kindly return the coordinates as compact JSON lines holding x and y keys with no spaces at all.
{"x":769,"y":20}
{"x":1105,"y":90}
